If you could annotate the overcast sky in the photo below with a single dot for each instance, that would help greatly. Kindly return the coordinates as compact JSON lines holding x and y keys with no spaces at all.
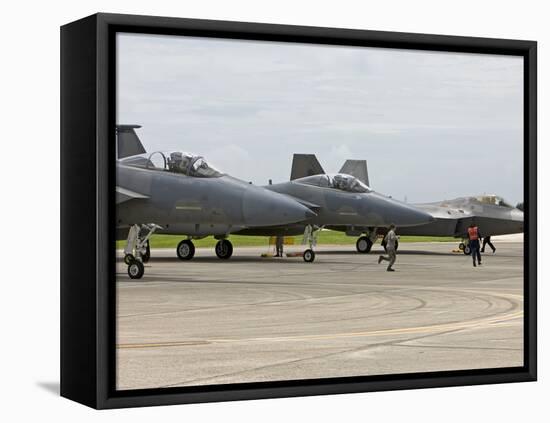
{"x":431,"y":126}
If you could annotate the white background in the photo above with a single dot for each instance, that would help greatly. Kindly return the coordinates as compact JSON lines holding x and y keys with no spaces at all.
{"x":30,"y":209}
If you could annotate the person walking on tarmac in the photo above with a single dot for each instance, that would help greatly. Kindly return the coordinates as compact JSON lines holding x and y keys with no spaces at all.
{"x":487,"y":241}
{"x":474,"y":236}
{"x":391,"y":241}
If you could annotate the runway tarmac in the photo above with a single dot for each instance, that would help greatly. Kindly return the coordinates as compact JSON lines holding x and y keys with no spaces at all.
{"x":248,"y":319}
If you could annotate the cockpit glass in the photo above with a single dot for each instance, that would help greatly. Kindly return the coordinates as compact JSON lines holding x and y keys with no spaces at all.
{"x":176,"y":162}
{"x":494,"y":200}
{"x":338,"y":181}
{"x":348,"y":183}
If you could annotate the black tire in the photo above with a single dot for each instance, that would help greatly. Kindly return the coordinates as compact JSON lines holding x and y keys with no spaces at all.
{"x":309,"y":255}
{"x":467,"y":250}
{"x":461,"y":246}
{"x":147,"y":254}
{"x":128,"y":258}
{"x":136,"y":270}
{"x":224,"y":249}
{"x":185,"y":250}
{"x":363,"y":245}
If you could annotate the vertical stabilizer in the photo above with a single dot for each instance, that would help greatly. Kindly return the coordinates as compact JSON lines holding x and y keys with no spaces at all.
{"x":305,"y":165}
{"x":128,"y":143}
{"x":357,"y":168}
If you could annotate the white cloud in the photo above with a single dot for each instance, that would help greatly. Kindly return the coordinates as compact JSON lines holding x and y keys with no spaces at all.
{"x":429,"y":116}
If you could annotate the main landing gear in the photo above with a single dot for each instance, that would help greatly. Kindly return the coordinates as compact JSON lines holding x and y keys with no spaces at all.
{"x":186,"y":249}
{"x":364,"y":243}
{"x":137,"y":250}
{"x":224,"y":249}
{"x":310,"y":238}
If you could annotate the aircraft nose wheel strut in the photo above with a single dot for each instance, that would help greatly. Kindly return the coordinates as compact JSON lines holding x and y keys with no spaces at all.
{"x":137,"y":250}
{"x":310,"y":238}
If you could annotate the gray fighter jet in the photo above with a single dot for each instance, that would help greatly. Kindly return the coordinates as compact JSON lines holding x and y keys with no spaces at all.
{"x":341,"y":202}
{"x":453,"y":217}
{"x":180,"y":193}
{"x":490,"y":213}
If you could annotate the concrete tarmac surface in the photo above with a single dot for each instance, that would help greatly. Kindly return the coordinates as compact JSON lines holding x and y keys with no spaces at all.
{"x":249,"y":319}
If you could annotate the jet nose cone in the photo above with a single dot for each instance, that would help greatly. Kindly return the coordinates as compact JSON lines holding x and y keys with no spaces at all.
{"x":402,"y":214}
{"x":412,"y":216}
{"x":517,"y":215}
{"x":266,"y":208}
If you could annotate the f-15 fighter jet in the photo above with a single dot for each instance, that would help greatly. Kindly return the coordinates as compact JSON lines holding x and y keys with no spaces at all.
{"x":341,"y":202}
{"x":181,"y":193}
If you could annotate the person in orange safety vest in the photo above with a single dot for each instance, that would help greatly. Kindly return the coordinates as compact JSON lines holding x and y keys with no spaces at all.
{"x":474,"y":236}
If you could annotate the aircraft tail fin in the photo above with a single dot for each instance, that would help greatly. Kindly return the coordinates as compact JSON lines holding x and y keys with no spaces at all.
{"x":128,"y":143}
{"x":305,"y":165}
{"x":357,"y":168}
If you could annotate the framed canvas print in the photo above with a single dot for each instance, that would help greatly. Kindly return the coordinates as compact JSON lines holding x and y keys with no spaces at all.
{"x":258,"y":211}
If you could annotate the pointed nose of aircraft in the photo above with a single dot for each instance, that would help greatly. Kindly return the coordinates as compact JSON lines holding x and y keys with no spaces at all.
{"x":517,"y":215}
{"x":267,"y":208}
{"x":401,"y":214}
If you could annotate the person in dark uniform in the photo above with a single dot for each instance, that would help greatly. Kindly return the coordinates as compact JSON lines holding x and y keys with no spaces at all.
{"x":487,"y":241}
{"x":474,"y":237}
{"x":279,"y":246}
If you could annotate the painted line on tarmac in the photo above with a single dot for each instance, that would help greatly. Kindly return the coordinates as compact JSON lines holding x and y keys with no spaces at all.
{"x":444,"y":327}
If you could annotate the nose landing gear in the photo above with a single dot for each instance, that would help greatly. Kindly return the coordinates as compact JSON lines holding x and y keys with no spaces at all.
{"x":465,"y":248}
{"x":137,"y":250}
{"x":310,"y":238}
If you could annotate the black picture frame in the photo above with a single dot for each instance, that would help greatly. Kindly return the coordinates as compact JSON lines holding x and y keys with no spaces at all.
{"x":87,"y":209}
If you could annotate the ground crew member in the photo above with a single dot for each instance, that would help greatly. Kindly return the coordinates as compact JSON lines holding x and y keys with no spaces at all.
{"x":487,"y":240}
{"x":391,"y":241}
{"x":474,"y":236}
{"x":279,"y":241}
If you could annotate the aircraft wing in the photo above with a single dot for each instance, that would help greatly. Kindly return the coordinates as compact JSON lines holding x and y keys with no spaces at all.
{"x":123,"y":195}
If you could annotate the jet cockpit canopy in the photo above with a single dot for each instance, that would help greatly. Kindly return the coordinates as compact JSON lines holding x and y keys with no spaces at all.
{"x":340,"y":181}
{"x":494,"y":200}
{"x":176,"y":162}
{"x":191,"y":165}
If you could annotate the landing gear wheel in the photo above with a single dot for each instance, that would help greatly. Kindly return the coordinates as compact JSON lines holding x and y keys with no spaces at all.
{"x":309,"y":255}
{"x":224,"y":249}
{"x":185,"y":250}
{"x":461,"y":246}
{"x":467,"y":250}
{"x":128,"y":259}
{"x":147,"y":254}
{"x":363,"y":245}
{"x":136,"y":270}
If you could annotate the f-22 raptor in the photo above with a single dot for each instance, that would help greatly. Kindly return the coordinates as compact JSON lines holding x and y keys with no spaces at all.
{"x":491,"y":213}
